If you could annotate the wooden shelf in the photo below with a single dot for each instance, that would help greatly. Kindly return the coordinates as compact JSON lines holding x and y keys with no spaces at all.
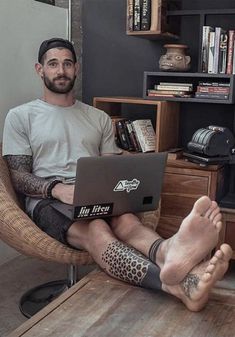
{"x":153,"y":35}
{"x":152,"y":78}
{"x":167,"y":116}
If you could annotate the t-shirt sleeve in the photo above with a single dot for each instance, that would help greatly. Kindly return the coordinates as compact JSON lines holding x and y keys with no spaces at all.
{"x":108,"y":144}
{"x":15,"y":136}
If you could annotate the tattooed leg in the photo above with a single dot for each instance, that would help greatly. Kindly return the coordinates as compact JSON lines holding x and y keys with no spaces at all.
{"x":129,"y":265}
{"x":194,"y":290}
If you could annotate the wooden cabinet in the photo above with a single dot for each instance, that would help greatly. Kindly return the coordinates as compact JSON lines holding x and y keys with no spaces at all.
{"x":228,"y":229}
{"x":184,"y":183}
{"x":166,"y":116}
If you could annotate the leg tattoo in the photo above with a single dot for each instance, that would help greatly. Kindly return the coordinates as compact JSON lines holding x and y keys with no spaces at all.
{"x":189,"y":283}
{"x":129,"y":265}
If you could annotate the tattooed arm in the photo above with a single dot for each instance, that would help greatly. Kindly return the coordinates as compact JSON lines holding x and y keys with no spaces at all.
{"x":31,"y":185}
{"x":23,"y":180}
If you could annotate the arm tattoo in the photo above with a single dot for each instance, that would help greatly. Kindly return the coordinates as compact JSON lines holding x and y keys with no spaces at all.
{"x":23,"y":180}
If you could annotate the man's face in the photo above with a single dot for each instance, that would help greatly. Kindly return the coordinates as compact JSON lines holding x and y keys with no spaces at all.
{"x":59,"y":70}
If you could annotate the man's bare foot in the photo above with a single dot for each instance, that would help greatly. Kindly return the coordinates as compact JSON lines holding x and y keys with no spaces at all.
{"x":197,"y":236}
{"x":194,"y":290}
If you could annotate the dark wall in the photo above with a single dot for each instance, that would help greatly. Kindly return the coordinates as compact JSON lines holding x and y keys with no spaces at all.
{"x":113,"y":63}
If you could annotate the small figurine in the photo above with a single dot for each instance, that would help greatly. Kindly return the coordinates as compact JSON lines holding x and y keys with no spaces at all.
{"x":175,"y":58}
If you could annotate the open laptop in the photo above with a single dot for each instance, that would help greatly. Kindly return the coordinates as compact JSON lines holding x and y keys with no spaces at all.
{"x":114,"y":185}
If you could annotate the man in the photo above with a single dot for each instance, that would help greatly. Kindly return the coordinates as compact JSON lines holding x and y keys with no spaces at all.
{"x":43,"y":140}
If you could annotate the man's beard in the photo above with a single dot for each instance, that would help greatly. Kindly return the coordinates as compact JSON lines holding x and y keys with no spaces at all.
{"x":52,"y":86}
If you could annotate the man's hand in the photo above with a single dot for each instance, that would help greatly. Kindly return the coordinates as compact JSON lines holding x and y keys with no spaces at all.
{"x":63,"y":193}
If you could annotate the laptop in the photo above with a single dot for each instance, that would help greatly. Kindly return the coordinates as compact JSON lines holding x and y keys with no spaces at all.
{"x":113,"y":185}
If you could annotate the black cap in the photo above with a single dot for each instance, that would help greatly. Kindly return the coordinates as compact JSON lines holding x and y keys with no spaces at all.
{"x":55,"y":43}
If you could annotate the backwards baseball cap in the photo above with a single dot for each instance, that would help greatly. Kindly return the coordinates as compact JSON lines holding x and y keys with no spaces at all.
{"x":55,"y":43}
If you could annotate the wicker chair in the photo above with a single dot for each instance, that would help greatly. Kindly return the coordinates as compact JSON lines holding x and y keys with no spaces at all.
{"x":20,"y":232}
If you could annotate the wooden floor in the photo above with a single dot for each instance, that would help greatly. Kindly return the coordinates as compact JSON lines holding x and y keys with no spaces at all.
{"x":99,"y":306}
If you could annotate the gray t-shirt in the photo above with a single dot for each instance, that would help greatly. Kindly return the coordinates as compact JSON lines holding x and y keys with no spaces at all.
{"x":57,"y":136}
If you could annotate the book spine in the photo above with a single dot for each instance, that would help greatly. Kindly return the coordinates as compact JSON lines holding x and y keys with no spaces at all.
{"x":211,"y":52}
{"x":205,"y":48}
{"x":146,"y":15}
{"x":145,"y":134}
{"x":175,"y":88}
{"x":218,"y":31}
{"x":132,"y":136}
{"x":130,"y":15}
{"x":211,"y":95}
{"x":175,"y":92}
{"x":214,"y":84}
{"x":231,"y":34}
{"x":154,"y":15}
{"x":222,"y":90}
{"x":223,"y":53}
{"x":137,"y":10}
{"x":121,"y":134}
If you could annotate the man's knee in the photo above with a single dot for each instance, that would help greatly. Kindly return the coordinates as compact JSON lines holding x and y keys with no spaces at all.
{"x":125,"y":224}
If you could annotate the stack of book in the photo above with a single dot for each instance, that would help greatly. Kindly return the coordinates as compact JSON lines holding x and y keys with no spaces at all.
{"x":138,"y":135}
{"x":170,"y":89}
{"x":218,"y":49}
{"x":213,"y":90}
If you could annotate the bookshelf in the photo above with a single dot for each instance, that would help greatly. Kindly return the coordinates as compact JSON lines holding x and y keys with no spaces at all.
{"x":153,"y":78}
{"x":166,"y":116}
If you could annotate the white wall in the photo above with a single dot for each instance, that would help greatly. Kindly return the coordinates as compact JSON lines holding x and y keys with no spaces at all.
{"x":24,"y":24}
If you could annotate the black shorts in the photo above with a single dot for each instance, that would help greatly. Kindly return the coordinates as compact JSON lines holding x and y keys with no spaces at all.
{"x":51,"y":221}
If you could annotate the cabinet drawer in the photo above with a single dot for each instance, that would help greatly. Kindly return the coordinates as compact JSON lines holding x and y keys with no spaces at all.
{"x":168,"y":226}
{"x":173,"y":205}
{"x":185,"y":184}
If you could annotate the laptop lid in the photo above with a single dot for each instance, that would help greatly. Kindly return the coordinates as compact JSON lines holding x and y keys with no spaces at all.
{"x":114,"y":185}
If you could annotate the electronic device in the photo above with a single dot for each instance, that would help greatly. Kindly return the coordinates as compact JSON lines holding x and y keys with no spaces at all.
{"x":116,"y":184}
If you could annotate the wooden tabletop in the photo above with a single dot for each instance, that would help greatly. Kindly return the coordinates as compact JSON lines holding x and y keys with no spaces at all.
{"x":99,"y":306}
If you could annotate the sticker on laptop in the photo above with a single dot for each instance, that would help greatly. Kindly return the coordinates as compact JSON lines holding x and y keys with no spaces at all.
{"x":127,"y":185}
{"x":96,"y":210}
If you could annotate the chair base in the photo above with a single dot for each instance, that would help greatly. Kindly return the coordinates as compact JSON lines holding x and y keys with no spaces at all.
{"x":37,"y":298}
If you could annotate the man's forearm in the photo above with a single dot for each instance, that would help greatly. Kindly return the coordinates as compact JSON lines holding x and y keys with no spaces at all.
{"x":23,"y":180}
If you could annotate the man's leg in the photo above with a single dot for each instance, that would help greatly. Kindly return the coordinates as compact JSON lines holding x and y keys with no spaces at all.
{"x":114,"y":257}
{"x":125,"y":263}
{"x":197,"y":236}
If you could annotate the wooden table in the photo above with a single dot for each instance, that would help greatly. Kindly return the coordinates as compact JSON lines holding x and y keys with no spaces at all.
{"x":99,"y":306}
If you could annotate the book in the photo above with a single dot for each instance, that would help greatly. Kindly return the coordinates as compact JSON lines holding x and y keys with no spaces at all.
{"x":176,"y":84}
{"x":175,"y":153}
{"x":173,"y":87}
{"x":223,"y":53}
{"x":175,"y":92}
{"x":137,"y":10}
{"x":145,"y":134}
{"x":205,"y":48}
{"x":214,"y":84}
{"x":145,"y":17}
{"x":132,"y":136}
{"x":211,"y":95}
{"x":218,"y":32}
{"x":122,"y":137}
{"x":222,"y":90}
{"x":231,"y":35}
{"x":211,"y":52}
{"x":130,"y":15}
{"x":158,"y":15}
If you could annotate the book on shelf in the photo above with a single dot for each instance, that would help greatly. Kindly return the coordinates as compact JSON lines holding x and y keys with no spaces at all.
{"x":211,"y":95}
{"x":175,"y":87}
{"x":214,"y":84}
{"x":158,"y":15}
{"x":223,"y":53}
{"x":122,"y":135}
{"x":130,"y":15}
{"x":231,"y":35}
{"x":211,"y":52}
{"x":145,"y":17}
{"x":213,"y":89}
{"x":132,"y":136}
{"x":136,"y":12}
{"x":145,"y":134}
{"x":218,"y":32}
{"x":205,"y":47}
